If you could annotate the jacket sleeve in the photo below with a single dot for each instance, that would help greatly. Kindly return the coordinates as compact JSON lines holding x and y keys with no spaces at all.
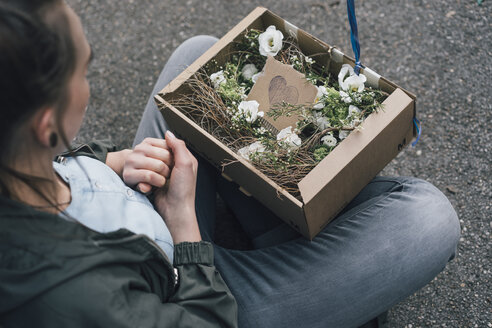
{"x":201,"y":288}
{"x":98,"y":149}
{"x":119,"y":296}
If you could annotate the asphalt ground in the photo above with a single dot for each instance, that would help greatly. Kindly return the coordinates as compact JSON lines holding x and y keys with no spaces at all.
{"x":440,"y":50}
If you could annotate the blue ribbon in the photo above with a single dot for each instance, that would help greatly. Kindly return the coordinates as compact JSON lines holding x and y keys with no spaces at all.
{"x":354,"y":35}
{"x":418,"y":126}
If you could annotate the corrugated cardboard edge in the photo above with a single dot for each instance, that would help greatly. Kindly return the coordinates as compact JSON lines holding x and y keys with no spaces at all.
{"x":322,"y":187}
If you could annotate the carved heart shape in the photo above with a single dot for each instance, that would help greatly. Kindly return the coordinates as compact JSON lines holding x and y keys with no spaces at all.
{"x":279,"y":92}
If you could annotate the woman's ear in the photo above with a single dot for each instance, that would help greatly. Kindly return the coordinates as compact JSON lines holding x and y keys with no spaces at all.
{"x":43,"y":126}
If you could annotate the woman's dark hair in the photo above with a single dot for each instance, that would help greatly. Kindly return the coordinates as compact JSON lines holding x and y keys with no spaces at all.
{"x":37,"y":59}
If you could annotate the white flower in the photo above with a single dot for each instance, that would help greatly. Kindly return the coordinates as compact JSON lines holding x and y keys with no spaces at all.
{"x":353,"y":111}
{"x":346,"y":69}
{"x":244,"y":152}
{"x":249,"y":109}
{"x":249,"y":70}
{"x":255,"y":147}
{"x":217,"y":78}
{"x":289,"y":138}
{"x":355,"y":83}
{"x":342,"y":134}
{"x":255,"y":77}
{"x":309,"y":60}
{"x":319,"y":104}
{"x":329,"y":140}
{"x":321,"y":121}
{"x":352,"y":82}
{"x":270,"y":41}
{"x":345,"y":97}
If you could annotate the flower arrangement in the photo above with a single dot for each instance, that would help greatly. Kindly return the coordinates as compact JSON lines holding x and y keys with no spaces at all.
{"x":218,"y":103}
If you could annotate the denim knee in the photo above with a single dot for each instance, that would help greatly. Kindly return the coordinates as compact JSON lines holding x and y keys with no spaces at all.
{"x":435,"y":219}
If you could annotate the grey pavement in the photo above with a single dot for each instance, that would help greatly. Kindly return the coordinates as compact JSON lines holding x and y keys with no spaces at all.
{"x":440,"y":50}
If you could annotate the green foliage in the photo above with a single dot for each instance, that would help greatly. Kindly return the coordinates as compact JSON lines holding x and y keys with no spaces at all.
{"x":320,"y":153}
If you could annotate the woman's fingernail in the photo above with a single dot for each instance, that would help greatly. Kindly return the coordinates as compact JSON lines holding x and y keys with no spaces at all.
{"x":142,"y":190}
{"x":171,"y":134}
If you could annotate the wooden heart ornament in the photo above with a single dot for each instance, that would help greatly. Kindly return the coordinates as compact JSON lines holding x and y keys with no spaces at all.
{"x":279,"y":91}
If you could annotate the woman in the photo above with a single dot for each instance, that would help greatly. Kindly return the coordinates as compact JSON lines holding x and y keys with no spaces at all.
{"x":81,"y":248}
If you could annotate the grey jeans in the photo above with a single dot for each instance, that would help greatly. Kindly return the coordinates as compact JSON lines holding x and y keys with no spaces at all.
{"x":391,"y":240}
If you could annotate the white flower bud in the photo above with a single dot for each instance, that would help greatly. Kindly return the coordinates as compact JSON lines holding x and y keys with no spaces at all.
{"x":353,"y":111}
{"x":329,"y":140}
{"x":289,"y":138}
{"x":246,"y":152}
{"x":342,"y":134}
{"x":217,"y":78}
{"x":321,"y":121}
{"x":345,"y":97}
{"x":249,"y":109}
{"x":318,"y":103}
{"x":249,"y":70}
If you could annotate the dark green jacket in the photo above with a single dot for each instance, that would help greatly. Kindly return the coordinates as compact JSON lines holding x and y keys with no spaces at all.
{"x":57,"y":273}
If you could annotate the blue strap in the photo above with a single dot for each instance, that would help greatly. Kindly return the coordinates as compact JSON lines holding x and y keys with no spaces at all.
{"x":354,"y":35}
{"x":418,"y":126}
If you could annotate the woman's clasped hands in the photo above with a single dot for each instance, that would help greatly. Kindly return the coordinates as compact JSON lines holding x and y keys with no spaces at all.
{"x":169,"y":168}
{"x":148,"y":165}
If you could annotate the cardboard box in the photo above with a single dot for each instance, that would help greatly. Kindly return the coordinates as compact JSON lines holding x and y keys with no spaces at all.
{"x":340,"y":176}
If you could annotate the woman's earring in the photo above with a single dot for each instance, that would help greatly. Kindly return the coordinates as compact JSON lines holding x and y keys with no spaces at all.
{"x":53,"y":139}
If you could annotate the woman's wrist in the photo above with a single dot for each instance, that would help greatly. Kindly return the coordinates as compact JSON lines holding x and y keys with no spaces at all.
{"x":116,"y":160}
{"x":182,"y":224}
{"x":184,"y":228}
{"x":186,"y":234}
